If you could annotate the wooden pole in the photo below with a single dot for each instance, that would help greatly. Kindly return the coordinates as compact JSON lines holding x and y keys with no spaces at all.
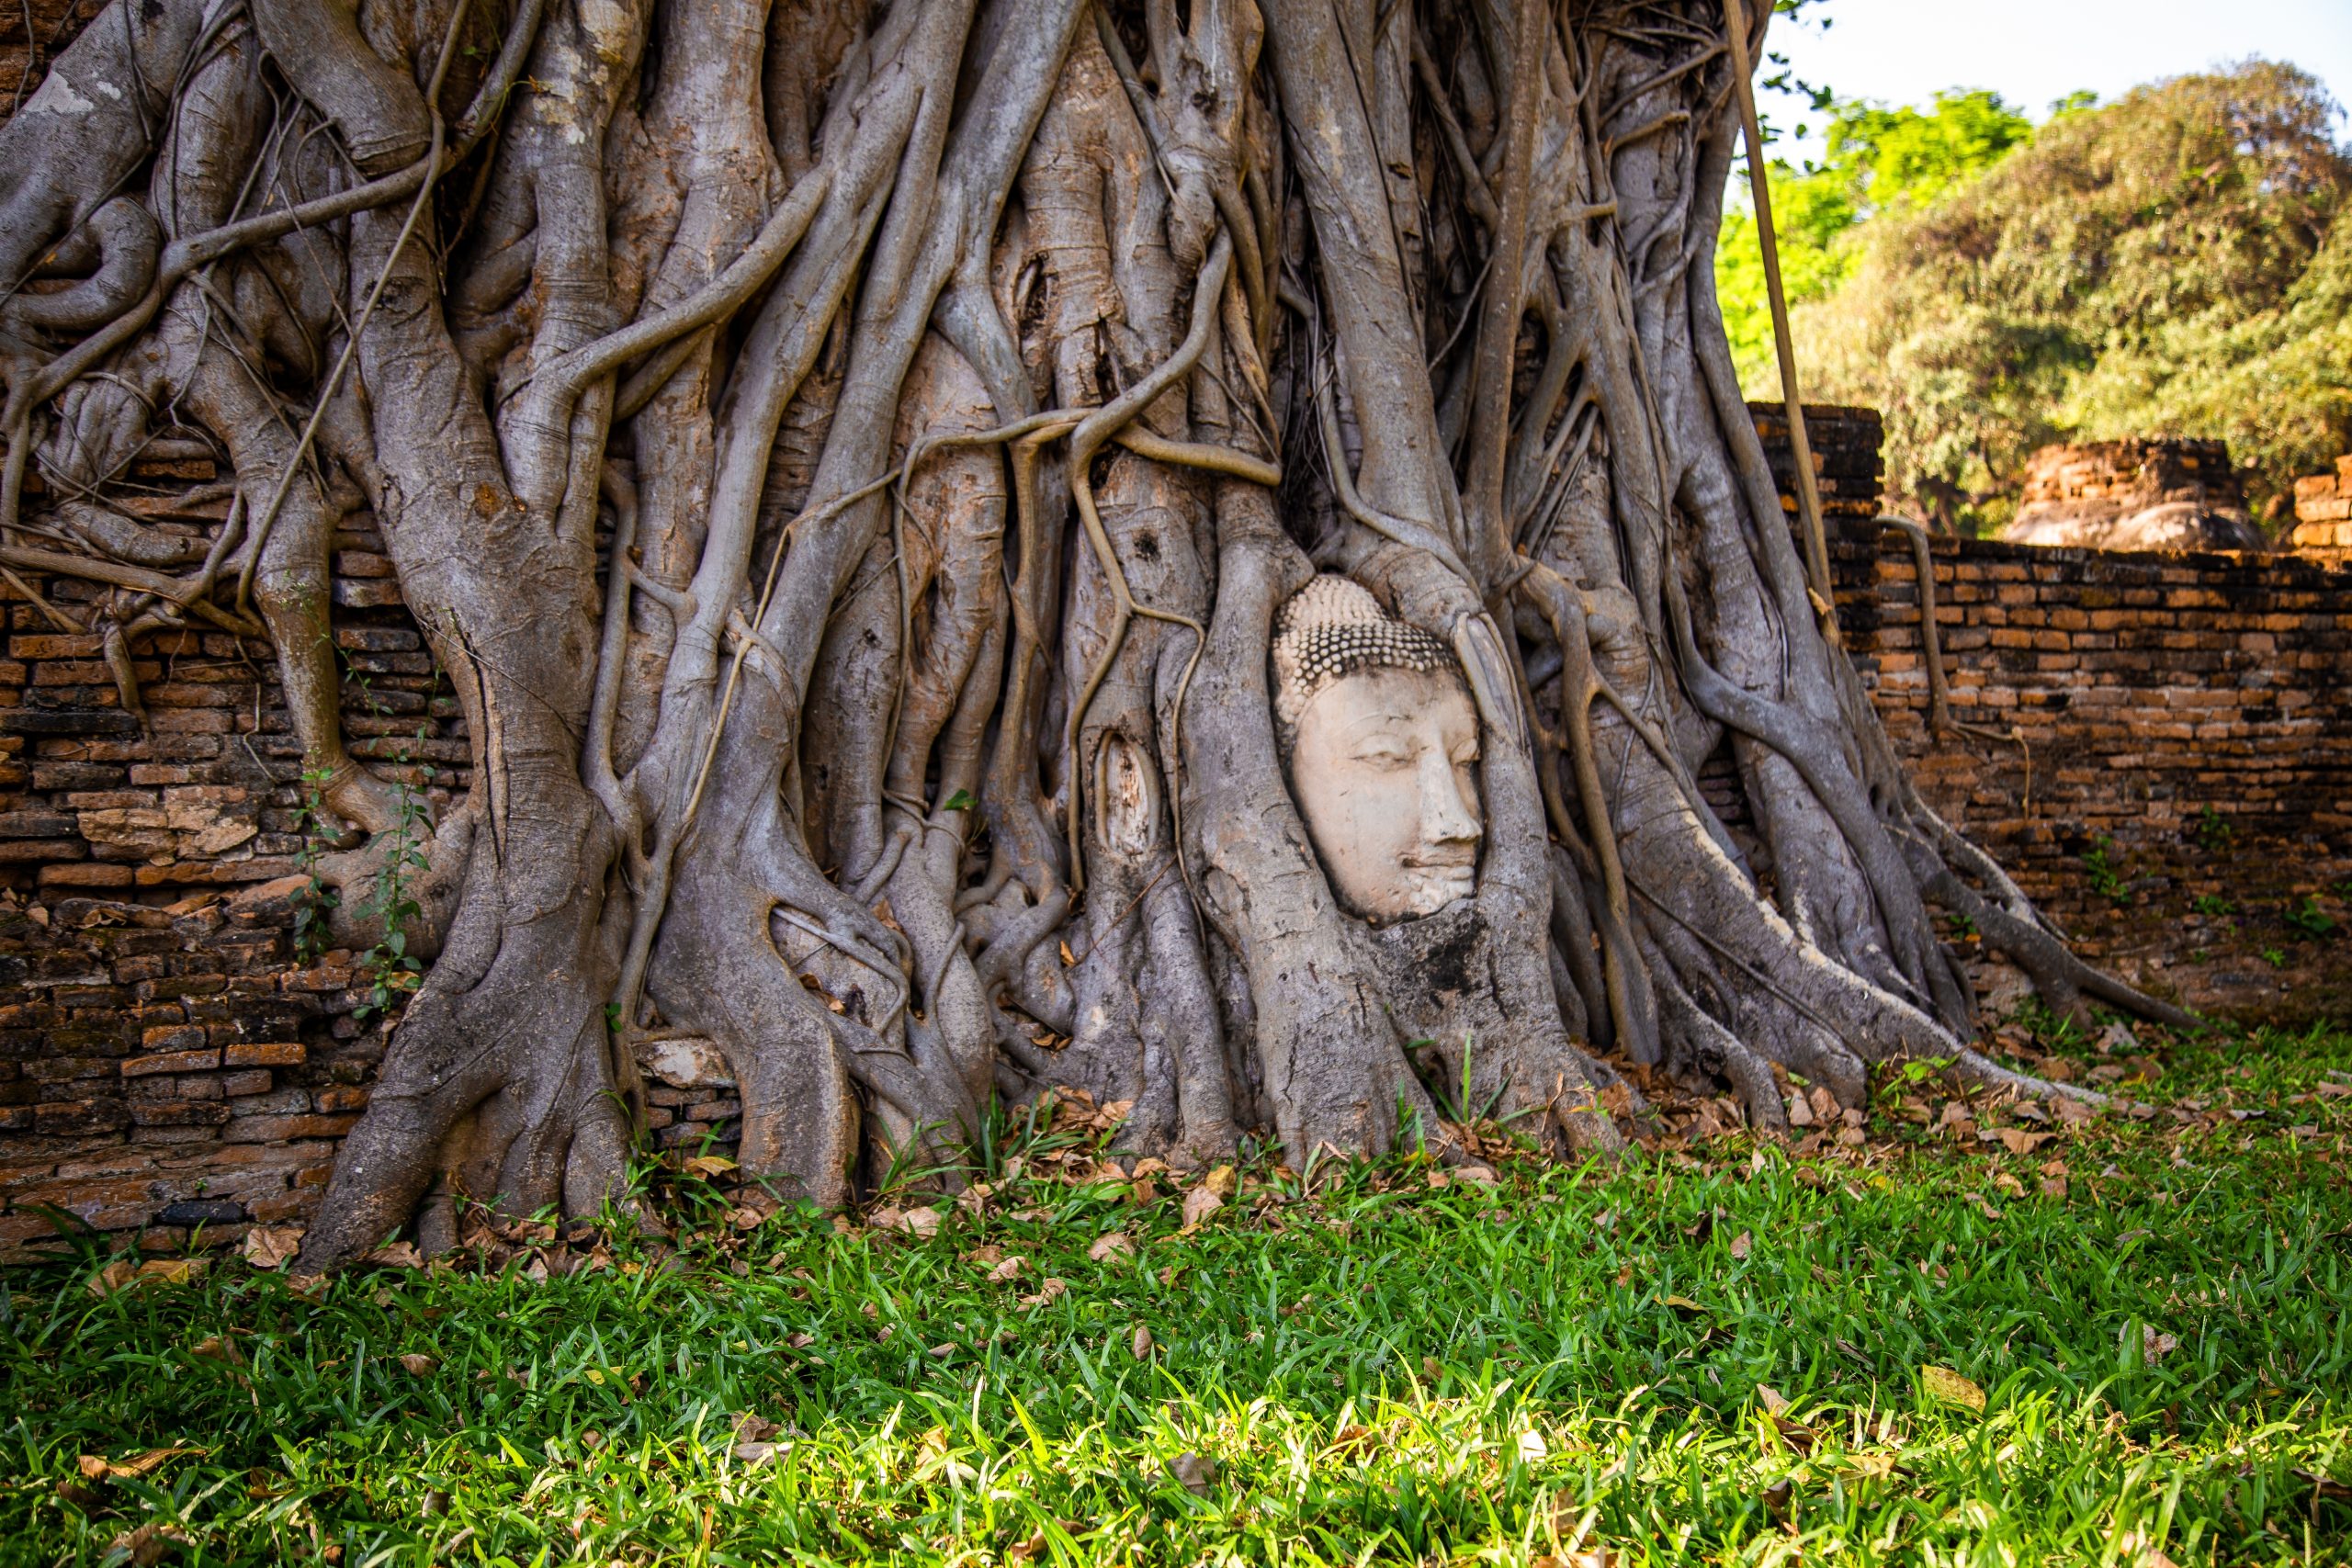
{"x":1816,"y":543}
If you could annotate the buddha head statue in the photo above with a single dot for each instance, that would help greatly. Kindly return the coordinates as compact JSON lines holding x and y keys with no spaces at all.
{"x":1381,"y":741}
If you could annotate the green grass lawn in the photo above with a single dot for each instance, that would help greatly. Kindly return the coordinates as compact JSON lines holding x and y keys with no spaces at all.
{"x":1718,"y":1352}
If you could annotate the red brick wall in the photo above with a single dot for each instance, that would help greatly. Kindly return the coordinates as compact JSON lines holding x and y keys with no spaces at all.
{"x":166,"y":1057}
{"x":2324,"y":514}
{"x":2148,"y":690}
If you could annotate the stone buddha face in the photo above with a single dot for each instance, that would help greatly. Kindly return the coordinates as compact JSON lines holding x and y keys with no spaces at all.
{"x":1381,"y":741}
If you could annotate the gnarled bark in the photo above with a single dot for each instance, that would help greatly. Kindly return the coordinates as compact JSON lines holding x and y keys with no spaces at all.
{"x":848,"y":461}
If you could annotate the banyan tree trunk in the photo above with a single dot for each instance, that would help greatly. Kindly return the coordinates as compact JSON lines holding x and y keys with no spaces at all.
{"x":857,"y":463}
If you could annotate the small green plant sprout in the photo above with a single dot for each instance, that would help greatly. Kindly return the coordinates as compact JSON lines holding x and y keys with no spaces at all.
{"x":388,"y":970}
{"x":2275,"y":957}
{"x":2102,"y":866}
{"x":2213,"y":830}
{"x":2213,"y":906}
{"x":2306,"y":921}
{"x":314,"y":910}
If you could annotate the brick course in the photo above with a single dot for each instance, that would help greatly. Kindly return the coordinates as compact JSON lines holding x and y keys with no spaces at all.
{"x":2324,"y":514}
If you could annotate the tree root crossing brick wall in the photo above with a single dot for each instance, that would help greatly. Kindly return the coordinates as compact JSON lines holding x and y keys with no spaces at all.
{"x":171,"y":1062}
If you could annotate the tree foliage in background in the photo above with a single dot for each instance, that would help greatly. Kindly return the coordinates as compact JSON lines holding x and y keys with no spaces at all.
{"x":1878,"y":160}
{"x":2176,"y":263}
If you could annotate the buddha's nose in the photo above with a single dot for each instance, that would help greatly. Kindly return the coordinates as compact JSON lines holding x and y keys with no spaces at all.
{"x":1446,"y":816}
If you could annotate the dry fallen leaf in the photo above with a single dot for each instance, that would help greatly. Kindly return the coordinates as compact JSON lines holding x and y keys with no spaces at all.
{"x":1113,"y":1244}
{"x":98,"y":1467}
{"x":2018,"y":1141}
{"x":272,"y":1247}
{"x":920,"y":1223}
{"x":1194,"y":1472}
{"x":1007,"y":1271}
{"x":2154,"y":1344}
{"x":146,"y":1546}
{"x":2009,"y":1184}
{"x":707,"y":1166}
{"x":1942,"y":1382}
{"x":1683,"y":1304}
{"x":1477,"y":1174}
{"x":113,"y":1276}
{"x":1048,"y":1292}
{"x":1774,"y":1404}
{"x":418,"y":1364}
{"x":1741,"y":1245}
{"x":1141,"y":1344}
{"x":399,"y":1254}
{"x":1199,"y":1204}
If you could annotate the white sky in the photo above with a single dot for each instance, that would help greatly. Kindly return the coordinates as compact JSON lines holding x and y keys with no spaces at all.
{"x":2034,"y":52}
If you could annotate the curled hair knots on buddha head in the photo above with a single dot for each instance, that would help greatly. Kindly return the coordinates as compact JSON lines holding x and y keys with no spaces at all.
{"x":1329,"y":630}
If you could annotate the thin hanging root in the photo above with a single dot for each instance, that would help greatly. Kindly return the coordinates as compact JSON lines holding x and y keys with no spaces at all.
{"x":1579,"y":685}
{"x":1084,"y":442}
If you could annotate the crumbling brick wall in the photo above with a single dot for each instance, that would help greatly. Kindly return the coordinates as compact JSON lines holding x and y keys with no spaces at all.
{"x":2168,"y":703}
{"x":2324,"y":515}
{"x":167,"y":1057}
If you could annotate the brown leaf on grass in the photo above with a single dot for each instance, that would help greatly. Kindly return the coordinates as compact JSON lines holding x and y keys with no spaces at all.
{"x":2075,"y":1112}
{"x":1771,"y":1399}
{"x":2018,"y":1141}
{"x":1109,"y":1244}
{"x":213,"y":1347}
{"x":1741,"y":1245}
{"x":2335,"y":1091}
{"x":708,"y":1165}
{"x":2053,"y":1186}
{"x":2323,"y":1488}
{"x":138,"y":1467}
{"x":920,"y":1223}
{"x":146,"y":1546}
{"x":2154,"y":1344}
{"x":1943,"y":1383}
{"x":2009,"y":1184}
{"x":1140,"y":1344}
{"x":1684,"y":1305}
{"x":1199,"y":1204}
{"x":123,"y":1274}
{"x":1007,"y":1271}
{"x":1800,"y":1112}
{"x":1477,"y":1174}
{"x":114,"y":1277}
{"x":1220,"y":1180}
{"x":1050,"y":1291}
{"x":399,"y":1254}
{"x":418,"y":1364}
{"x":1984,"y":1205}
{"x":272,"y":1247}
{"x":1194,"y":1472}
